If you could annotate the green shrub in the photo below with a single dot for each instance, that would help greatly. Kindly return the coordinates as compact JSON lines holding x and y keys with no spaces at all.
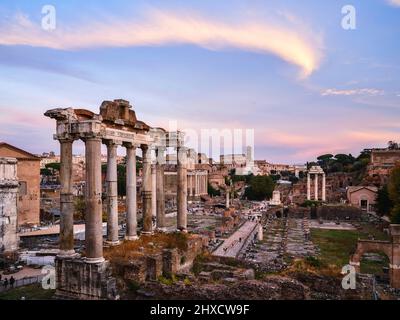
{"x":133,"y":285}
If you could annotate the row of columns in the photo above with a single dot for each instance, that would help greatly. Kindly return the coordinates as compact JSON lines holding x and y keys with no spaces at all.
{"x":197,"y":184}
{"x":152,"y":195}
{"x":316,"y":189}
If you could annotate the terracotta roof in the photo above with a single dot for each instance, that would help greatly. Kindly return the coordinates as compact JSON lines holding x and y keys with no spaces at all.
{"x":28,"y":155}
{"x":357,"y":188}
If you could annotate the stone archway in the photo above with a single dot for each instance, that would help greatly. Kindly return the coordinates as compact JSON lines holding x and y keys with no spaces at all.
{"x":376,"y":263}
{"x":390,"y":248}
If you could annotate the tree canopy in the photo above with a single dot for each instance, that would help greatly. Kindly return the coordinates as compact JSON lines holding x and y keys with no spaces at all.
{"x":260,"y":188}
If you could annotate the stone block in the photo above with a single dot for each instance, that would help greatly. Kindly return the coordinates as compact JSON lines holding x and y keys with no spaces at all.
{"x":77,"y":279}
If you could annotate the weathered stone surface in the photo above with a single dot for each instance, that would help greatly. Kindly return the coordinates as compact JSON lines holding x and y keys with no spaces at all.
{"x":170,"y":261}
{"x":77,"y":279}
{"x":8,"y":205}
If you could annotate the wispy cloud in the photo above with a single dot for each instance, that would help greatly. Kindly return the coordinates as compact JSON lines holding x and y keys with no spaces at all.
{"x":395,"y":3}
{"x":352,"y":92}
{"x":291,"y":42}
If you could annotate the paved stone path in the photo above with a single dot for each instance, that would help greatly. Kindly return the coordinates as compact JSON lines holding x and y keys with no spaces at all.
{"x":232,"y":246}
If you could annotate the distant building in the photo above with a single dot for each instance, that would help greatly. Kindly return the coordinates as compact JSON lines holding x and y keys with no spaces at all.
{"x":28,"y":172}
{"x":233,"y":160}
{"x":363,"y":197}
{"x":46,"y":161}
{"x":382,"y":163}
{"x":385,"y":157}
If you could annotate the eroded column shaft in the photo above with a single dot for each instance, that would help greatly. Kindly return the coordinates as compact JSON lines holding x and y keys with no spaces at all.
{"x":160,"y":191}
{"x":147,"y":191}
{"x":112,"y":194}
{"x":131,"y":194}
{"x":182,"y":189}
{"x":66,"y":200}
{"x":94,"y":229}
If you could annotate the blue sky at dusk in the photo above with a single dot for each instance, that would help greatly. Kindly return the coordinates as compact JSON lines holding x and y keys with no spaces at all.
{"x":286,"y":69}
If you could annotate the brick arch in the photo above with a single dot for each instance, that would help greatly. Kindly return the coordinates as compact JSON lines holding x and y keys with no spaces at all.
{"x":370,"y":246}
{"x":391,"y":250}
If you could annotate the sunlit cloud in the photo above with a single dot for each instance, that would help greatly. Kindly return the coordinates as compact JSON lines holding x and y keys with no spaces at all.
{"x":395,"y":3}
{"x":352,"y":92}
{"x":291,"y":42}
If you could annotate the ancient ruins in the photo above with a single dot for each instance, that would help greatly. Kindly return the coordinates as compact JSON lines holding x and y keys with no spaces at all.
{"x":8,"y":205}
{"x":115,"y":125}
{"x":316,"y":171}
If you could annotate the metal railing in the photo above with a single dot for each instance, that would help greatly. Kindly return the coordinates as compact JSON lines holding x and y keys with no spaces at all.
{"x":20,"y":282}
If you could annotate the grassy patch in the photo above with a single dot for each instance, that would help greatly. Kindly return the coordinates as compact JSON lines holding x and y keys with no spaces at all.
{"x":31,"y":292}
{"x":375,"y":267}
{"x":336,"y":246}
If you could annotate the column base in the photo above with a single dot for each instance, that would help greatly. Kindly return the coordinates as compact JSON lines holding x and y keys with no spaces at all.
{"x":146,"y":233}
{"x":131,"y":238}
{"x":182,"y":230}
{"x":112,"y":243}
{"x":62,"y":254}
{"x":94,"y":260}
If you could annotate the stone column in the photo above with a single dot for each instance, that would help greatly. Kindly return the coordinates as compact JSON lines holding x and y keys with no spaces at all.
{"x":94,"y":227}
{"x":153,"y":190}
{"x":147,"y":191}
{"x":308,"y":187}
{"x":66,"y":200}
{"x":316,"y":187}
{"x":160,"y":189}
{"x":323,"y":187}
{"x":197,"y":192}
{"x":190,"y":177}
{"x":182,"y":189}
{"x":227,"y":204}
{"x":112,"y":193}
{"x":131,"y":196}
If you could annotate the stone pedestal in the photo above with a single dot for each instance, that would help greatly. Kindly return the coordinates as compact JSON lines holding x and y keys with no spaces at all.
{"x":76,"y":279}
{"x":8,"y":205}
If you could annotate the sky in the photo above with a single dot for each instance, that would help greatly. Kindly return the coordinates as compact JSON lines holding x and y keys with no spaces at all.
{"x":286,"y":69}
